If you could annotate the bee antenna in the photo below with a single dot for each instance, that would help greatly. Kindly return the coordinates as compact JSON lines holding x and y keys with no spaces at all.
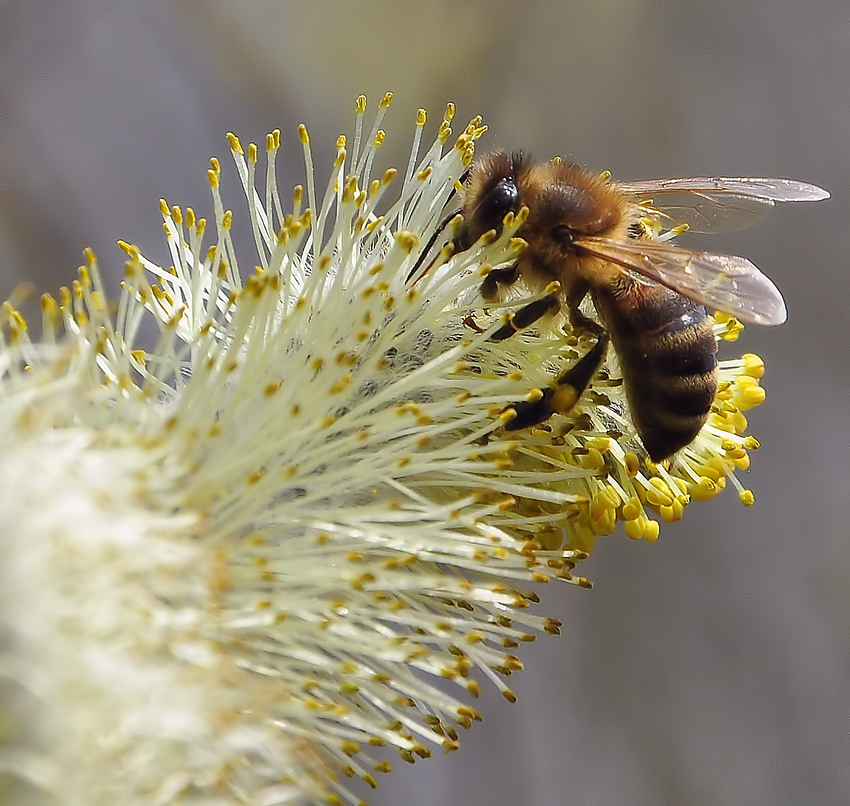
{"x":431,"y":241}
{"x":441,"y":227}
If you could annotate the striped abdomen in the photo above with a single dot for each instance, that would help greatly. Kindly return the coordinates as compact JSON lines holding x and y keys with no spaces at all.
{"x":668,"y":357}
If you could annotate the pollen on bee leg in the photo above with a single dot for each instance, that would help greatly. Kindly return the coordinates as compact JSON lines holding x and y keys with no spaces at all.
{"x":564,"y":398}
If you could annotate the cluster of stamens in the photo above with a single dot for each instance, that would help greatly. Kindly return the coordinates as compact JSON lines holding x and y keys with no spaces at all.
{"x":328,"y":436}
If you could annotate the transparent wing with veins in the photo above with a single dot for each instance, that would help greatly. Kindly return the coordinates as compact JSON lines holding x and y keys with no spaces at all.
{"x":720,"y":282}
{"x":713,"y":204}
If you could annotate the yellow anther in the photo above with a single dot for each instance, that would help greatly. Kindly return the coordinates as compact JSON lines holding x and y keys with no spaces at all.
{"x":753,"y":365}
{"x":632,"y":509}
{"x":360,"y":104}
{"x":632,"y":463}
{"x":742,"y":462}
{"x":672,"y":513}
{"x":302,"y":134}
{"x":386,"y":100}
{"x":407,"y":241}
{"x":421,"y":117}
{"x":635,"y":528}
{"x":601,"y":444}
{"x":750,"y":397}
{"x":747,"y":498}
{"x":253,"y":152}
{"x":592,"y":460}
{"x":738,"y":421}
{"x":704,"y":490}
{"x":724,"y":391}
{"x":613,"y":495}
{"x":601,"y":507}
{"x":653,"y":529}
{"x":659,"y":494}
{"x":49,"y":306}
{"x":720,"y":467}
{"x":235,"y":145}
{"x":743,"y":382}
{"x":733,"y":330}
{"x":507,"y":415}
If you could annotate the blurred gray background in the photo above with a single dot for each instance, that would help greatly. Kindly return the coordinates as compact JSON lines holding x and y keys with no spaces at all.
{"x":710,"y":668}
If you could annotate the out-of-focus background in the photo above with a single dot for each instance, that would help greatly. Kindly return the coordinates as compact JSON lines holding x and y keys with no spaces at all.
{"x":710,"y":668}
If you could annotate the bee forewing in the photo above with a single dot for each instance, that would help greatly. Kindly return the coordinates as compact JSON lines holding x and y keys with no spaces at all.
{"x":766,"y":189}
{"x":714,"y":204}
{"x":720,"y":282}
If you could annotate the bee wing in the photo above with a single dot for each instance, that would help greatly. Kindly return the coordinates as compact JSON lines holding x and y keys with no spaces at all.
{"x":713,"y":204}
{"x":720,"y":282}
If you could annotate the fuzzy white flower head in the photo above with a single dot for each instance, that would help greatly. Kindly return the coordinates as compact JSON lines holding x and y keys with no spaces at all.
{"x":235,"y":564}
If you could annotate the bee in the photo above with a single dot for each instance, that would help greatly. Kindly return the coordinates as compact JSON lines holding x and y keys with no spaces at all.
{"x":596,"y":238}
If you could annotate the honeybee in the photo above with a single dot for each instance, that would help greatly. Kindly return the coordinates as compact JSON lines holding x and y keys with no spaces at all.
{"x":595,"y":237}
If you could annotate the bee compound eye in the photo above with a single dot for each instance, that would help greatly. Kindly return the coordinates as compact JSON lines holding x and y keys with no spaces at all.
{"x":500,"y":201}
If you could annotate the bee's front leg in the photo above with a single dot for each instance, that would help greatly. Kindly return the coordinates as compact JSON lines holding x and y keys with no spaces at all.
{"x":506,"y":276}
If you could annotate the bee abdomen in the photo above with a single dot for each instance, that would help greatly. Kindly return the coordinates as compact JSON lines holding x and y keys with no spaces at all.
{"x":668,"y":356}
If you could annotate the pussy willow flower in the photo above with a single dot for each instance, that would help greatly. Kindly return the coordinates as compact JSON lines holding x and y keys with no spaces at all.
{"x":280,"y":541}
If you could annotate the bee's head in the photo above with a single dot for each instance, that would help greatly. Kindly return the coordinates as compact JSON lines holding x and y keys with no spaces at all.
{"x":492,"y":191}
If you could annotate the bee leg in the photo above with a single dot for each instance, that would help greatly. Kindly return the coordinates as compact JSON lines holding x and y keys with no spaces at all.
{"x":572,"y":384}
{"x":563,"y":395}
{"x":507,"y":276}
{"x":528,"y":315}
{"x":431,"y":241}
{"x":581,"y":323}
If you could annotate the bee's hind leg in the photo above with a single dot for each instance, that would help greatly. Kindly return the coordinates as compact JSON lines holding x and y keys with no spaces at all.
{"x":567,"y":389}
